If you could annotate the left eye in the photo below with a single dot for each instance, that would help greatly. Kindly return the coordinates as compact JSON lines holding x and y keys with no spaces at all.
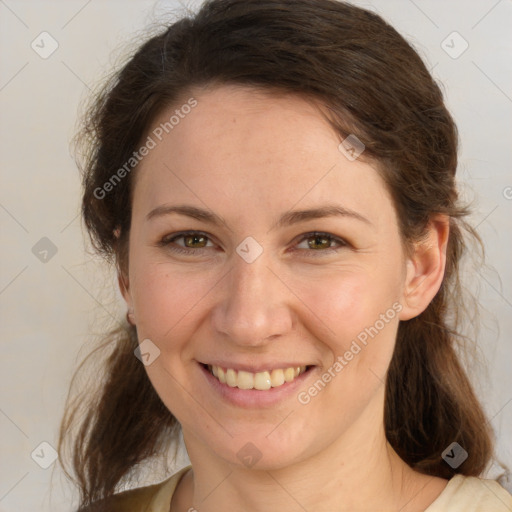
{"x":322,"y":241}
{"x":195,"y":241}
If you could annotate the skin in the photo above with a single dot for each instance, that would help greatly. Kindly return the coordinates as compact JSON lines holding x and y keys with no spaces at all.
{"x":249,"y":157}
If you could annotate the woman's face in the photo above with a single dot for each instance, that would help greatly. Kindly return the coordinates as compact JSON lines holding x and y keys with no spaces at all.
{"x":254,"y":291}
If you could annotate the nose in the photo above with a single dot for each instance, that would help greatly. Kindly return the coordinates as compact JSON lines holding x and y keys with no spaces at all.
{"x":254,"y":307}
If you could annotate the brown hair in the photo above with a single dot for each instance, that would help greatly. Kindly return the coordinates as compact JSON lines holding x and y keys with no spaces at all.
{"x":375,"y":86}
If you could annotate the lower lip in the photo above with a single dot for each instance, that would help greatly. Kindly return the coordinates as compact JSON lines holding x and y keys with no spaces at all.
{"x":254,"y":398}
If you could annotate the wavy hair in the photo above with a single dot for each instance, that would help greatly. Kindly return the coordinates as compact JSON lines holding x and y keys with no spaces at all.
{"x":374,"y":85}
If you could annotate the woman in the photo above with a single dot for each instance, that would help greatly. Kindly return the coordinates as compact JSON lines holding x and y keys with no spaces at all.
{"x":275,"y":182}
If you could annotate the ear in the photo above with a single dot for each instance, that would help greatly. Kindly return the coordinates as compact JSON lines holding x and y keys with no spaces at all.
{"x":425,"y":268}
{"x":122,"y":277}
{"x":124,"y":287}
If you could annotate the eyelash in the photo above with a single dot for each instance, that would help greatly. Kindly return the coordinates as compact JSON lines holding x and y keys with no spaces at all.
{"x":169,"y":239}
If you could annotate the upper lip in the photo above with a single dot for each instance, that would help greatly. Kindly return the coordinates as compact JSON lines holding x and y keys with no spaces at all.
{"x":255,"y":368}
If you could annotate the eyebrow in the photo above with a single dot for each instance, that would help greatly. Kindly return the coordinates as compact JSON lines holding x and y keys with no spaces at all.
{"x":287,"y":219}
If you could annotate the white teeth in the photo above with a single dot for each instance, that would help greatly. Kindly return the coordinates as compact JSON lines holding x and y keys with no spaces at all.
{"x":277,"y":378}
{"x":245,"y":380}
{"x":261,"y":380}
{"x":289,"y":374}
{"x":231,"y":378}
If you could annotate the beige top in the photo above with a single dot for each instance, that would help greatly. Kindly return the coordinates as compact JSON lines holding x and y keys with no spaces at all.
{"x":462,"y":494}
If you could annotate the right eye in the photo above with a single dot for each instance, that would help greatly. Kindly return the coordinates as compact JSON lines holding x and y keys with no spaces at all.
{"x":194,"y":241}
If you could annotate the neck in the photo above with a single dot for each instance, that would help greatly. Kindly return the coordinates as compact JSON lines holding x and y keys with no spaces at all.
{"x":359,"y":471}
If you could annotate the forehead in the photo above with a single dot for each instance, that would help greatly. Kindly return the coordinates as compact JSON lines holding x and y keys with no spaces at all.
{"x":246,"y":145}
{"x":255,"y":123}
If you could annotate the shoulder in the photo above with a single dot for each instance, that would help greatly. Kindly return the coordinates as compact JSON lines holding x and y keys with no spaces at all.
{"x":151,"y":498}
{"x":472,"y":494}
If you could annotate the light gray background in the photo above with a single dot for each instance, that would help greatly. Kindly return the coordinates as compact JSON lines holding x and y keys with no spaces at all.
{"x":48,"y":309}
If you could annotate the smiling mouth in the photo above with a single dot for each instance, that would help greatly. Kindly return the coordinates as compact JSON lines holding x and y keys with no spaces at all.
{"x":261,"y":381}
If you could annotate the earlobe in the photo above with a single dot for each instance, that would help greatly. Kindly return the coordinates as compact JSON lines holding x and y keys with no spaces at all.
{"x":124,"y":287}
{"x":425,"y":268}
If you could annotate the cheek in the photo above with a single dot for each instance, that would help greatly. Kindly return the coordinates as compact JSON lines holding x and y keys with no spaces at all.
{"x":165,"y":300}
{"x":348,"y":301}
{"x":356,"y":319}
